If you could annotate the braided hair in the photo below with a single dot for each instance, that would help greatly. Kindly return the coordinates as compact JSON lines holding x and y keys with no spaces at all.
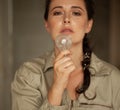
{"x":86,"y":64}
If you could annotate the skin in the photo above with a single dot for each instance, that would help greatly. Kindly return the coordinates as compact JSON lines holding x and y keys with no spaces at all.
{"x":67,"y":17}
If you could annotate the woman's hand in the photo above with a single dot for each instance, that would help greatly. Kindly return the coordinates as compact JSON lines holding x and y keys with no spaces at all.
{"x":63,"y":67}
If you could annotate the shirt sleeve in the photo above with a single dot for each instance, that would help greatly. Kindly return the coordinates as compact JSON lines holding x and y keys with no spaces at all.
{"x":27,"y":90}
{"x":116,"y":89}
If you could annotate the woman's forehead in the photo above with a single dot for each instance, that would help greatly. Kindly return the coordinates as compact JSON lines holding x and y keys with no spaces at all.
{"x":69,"y":3}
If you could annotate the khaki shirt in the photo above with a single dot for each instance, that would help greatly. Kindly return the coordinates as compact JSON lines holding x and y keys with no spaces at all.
{"x":34,"y":78}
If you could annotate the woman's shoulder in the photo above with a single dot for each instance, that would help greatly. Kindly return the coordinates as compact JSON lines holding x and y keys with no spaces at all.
{"x":30,"y":71}
{"x":37,"y":64}
{"x":108,"y":73}
{"x":102,"y":67}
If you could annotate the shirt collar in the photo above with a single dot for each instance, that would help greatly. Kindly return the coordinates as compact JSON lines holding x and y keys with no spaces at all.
{"x":49,"y":61}
{"x":98,"y":67}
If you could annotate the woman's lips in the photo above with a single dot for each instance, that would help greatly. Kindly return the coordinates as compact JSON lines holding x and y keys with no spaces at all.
{"x":66,"y":31}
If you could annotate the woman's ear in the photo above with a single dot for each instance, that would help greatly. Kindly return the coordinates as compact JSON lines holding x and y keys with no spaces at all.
{"x":46,"y":26}
{"x":89,"y":26}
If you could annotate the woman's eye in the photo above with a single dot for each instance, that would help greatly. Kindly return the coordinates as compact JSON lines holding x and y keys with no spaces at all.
{"x":57,"y":13}
{"x":76,"y":13}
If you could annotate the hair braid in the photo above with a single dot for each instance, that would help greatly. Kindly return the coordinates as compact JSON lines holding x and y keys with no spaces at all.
{"x":85,"y":64}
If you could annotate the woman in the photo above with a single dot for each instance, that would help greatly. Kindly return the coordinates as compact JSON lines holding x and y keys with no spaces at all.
{"x":70,"y":79}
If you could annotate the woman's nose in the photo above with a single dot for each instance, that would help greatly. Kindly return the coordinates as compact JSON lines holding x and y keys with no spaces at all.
{"x":66,"y":19}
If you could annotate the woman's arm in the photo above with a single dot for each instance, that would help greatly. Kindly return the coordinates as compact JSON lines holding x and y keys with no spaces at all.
{"x":29,"y":90}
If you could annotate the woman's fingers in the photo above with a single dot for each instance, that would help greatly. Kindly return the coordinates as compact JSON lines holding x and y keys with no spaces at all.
{"x":64,"y":63}
{"x":62,"y":54}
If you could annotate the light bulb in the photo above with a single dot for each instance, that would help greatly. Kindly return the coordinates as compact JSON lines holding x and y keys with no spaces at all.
{"x":63,"y":42}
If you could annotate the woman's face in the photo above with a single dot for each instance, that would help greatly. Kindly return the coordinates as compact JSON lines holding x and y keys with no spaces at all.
{"x":68,"y":17}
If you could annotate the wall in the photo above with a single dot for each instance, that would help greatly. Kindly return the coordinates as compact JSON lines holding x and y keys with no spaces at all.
{"x":30,"y":37}
{"x":114,"y":32}
{"x":1,"y":58}
{"x":100,"y":34}
{"x":6,"y":53}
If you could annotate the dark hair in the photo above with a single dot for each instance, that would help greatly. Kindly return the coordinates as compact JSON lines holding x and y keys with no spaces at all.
{"x":47,"y":5}
{"x":86,"y":64}
{"x":90,"y":8}
{"x":86,"y":48}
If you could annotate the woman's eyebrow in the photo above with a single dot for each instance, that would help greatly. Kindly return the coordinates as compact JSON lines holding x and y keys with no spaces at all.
{"x":78,"y":7}
{"x":56,"y":7}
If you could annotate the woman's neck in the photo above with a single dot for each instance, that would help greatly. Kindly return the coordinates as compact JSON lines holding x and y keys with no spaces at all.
{"x":77,"y":54}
